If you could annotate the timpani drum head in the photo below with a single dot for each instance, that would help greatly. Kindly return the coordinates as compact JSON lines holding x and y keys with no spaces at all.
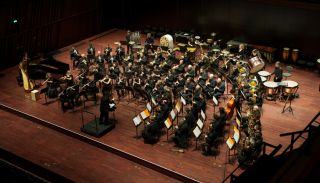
{"x":290,"y":84}
{"x":270,"y":84}
{"x":264,"y":73}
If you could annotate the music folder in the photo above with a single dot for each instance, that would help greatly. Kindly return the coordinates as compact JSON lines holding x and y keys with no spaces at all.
{"x":197,"y":132}
{"x":149,"y":107}
{"x":137,"y":121}
{"x":200,"y":123}
{"x":236,"y":134}
{"x":178,"y":106}
{"x":173,"y":114}
{"x":230,"y":143}
{"x":183,"y":100}
{"x":203,"y":115}
{"x":145,"y":114}
{"x":215,"y":101}
{"x":168,"y":123}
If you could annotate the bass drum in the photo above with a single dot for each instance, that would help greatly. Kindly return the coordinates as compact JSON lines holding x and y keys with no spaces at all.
{"x":167,"y":41}
{"x":256,"y":64}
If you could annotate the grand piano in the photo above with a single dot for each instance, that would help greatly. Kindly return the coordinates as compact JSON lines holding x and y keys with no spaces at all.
{"x":39,"y":66}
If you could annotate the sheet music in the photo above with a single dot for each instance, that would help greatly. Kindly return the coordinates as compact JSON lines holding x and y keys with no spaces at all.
{"x":145,"y":114}
{"x":215,"y":101}
{"x":173,"y":115}
{"x":203,"y":115}
{"x":200,"y":123}
{"x":230,"y":143}
{"x":183,"y":101}
{"x":112,"y":105}
{"x":178,"y":107}
{"x":154,"y":101}
{"x":137,"y":121}
{"x":236,"y":136}
{"x":238,"y":121}
{"x":149,"y":107}
{"x":197,"y":132}
{"x":168,"y":123}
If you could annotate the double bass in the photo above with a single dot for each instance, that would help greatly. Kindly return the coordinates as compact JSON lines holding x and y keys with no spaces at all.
{"x":230,"y":108}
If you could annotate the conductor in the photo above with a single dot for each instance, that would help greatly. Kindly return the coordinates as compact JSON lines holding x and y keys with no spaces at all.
{"x":104,"y":109}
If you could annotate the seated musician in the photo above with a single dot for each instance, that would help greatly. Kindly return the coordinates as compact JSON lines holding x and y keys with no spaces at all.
{"x":148,"y":43}
{"x":277,"y":72}
{"x":91,"y":53}
{"x":180,"y":67}
{"x":186,"y":59}
{"x":152,"y":132}
{"x":74,"y":55}
{"x":107,"y":52}
{"x":212,"y":83}
{"x":190,"y":72}
{"x":184,"y":131}
{"x":219,"y":89}
{"x":215,"y":131}
{"x":203,"y":77}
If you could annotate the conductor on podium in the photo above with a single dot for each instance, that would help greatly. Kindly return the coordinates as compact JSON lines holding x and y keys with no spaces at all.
{"x":104,"y":109}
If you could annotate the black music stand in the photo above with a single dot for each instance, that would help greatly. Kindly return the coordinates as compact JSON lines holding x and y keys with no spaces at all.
{"x":289,"y":99}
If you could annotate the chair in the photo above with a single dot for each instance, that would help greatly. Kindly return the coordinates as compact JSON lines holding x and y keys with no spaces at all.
{"x":288,"y":72}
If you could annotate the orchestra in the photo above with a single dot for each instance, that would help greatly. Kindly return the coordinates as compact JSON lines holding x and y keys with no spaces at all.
{"x":167,"y":76}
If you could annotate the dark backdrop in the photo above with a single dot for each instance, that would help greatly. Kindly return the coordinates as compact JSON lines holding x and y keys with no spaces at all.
{"x":46,"y":25}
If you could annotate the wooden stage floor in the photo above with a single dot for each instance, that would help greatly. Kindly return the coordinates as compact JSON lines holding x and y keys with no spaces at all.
{"x":19,"y":135}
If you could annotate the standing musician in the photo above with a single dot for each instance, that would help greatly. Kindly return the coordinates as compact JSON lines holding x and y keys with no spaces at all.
{"x":83,"y":63}
{"x":120,"y":53}
{"x":243,"y":52}
{"x":128,"y":39}
{"x":277,"y":72}
{"x":68,"y":79}
{"x":74,"y":55}
{"x":107,"y":52}
{"x":52,"y":86}
{"x":148,"y":43}
{"x":91,"y":53}
{"x":104,"y":109}
{"x":120,"y":84}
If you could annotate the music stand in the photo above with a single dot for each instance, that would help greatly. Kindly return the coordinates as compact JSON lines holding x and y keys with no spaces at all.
{"x":289,"y":108}
{"x":197,"y":132}
{"x":137,"y":122}
{"x":168,"y":123}
{"x":215,"y":103}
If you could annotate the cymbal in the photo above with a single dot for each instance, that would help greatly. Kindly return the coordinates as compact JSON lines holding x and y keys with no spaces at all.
{"x":197,"y":37}
{"x":117,"y":43}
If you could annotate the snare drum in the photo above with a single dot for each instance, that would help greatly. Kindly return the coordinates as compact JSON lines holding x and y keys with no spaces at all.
{"x":271,"y":89}
{"x":289,"y":86}
{"x":255,"y":64}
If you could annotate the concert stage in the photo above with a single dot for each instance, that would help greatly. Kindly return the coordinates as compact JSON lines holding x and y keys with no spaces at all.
{"x":43,"y":133}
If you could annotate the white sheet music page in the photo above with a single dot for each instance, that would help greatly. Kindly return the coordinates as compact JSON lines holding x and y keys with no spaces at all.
{"x":200,"y":123}
{"x":197,"y":132}
{"x":137,"y":121}
{"x":203,"y":115}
